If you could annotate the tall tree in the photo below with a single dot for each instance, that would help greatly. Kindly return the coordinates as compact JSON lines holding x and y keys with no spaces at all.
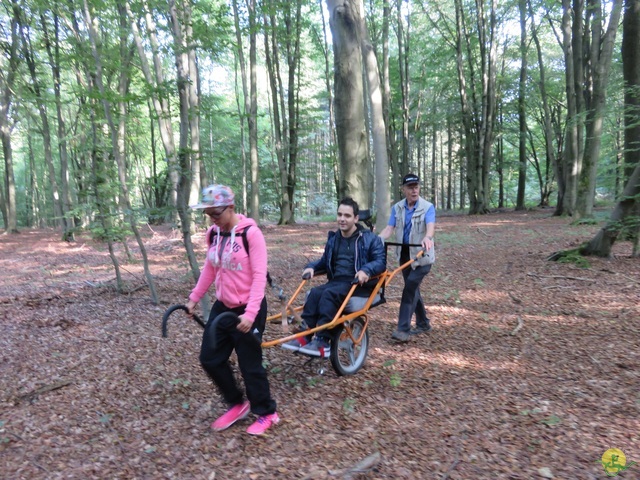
{"x":41,"y":102}
{"x":157,"y":86}
{"x":625,"y":216}
{"x":598,"y":66}
{"x":282,"y":47}
{"x":522,"y":113}
{"x":548,"y":131}
{"x":252,"y":118}
{"x":477,"y":97}
{"x":116,"y":127}
{"x":250,"y":94}
{"x":378,"y":128}
{"x":403,"y":69}
{"x":350,"y":117}
{"x":52,"y":46}
{"x":9,"y":63}
{"x":588,"y":50}
{"x":188,"y":101}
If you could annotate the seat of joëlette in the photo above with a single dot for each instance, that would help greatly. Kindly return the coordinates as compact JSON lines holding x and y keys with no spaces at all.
{"x":356,"y":304}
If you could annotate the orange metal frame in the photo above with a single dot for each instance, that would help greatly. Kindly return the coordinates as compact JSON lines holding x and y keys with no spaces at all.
{"x":383,"y":279}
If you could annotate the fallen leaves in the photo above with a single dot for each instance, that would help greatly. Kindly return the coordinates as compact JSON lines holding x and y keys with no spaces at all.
{"x":520,"y":378}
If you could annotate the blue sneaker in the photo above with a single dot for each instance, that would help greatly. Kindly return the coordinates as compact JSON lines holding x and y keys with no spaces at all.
{"x":319,"y":347}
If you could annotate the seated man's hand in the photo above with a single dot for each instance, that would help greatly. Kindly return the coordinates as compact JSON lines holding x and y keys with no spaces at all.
{"x":362,"y":277}
{"x":307,"y":273}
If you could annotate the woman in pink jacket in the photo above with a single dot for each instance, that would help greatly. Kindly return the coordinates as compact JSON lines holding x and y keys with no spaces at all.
{"x":237,"y":264}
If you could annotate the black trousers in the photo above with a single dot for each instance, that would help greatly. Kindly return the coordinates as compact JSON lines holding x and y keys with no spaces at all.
{"x":215,"y":361}
{"x":323,"y":303}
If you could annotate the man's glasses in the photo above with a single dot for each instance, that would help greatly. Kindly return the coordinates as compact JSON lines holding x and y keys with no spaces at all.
{"x":215,"y":212}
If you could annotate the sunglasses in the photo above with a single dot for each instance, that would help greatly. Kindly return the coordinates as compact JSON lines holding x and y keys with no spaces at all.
{"x":215,"y":212}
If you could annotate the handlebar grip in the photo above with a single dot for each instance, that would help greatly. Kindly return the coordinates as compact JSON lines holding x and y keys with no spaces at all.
{"x":173,"y":308}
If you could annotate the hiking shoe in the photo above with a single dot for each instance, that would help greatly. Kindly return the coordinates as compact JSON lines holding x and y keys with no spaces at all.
{"x":400,"y":336}
{"x":419,"y":330}
{"x":319,"y":347}
{"x":263,"y":424}
{"x":235,"y":413}
{"x":295,"y":344}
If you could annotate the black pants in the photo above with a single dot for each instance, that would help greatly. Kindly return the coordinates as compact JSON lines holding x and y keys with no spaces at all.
{"x":323,"y":303}
{"x":215,"y":361}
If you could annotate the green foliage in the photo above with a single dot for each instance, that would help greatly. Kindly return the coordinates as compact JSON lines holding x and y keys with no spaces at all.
{"x":585,"y":221}
{"x":453,"y":295}
{"x":348,"y":405}
{"x":180,"y":382}
{"x":551,"y":421}
{"x":106,"y":418}
{"x":115,"y":233}
{"x":574,"y":257}
{"x":3,"y":438}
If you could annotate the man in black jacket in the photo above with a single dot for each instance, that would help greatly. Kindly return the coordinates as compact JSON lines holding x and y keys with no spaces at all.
{"x":352,"y":252}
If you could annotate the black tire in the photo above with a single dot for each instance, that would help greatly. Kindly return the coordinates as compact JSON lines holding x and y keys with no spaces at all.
{"x":170,"y":310}
{"x":346,"y":357}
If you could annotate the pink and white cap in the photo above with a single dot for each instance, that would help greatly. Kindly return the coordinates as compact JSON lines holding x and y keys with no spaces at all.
{"x":215,"y":196}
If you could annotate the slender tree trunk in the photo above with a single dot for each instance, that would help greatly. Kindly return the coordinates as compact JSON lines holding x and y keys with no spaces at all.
{"x":118,"y":130}
{"x":572,"y":32}
{"x":450,"y":187}
{"x":392,"y":153}
{"x":7,"y":85}
{"x":254,"y":198}
{"x":332,"y":117}
{"x":271,"y":55}
{"x":383,"y":198}
{"x":54,"y":60}
{"x":194,"y":103}
{"x":46,"y":129}
{"x":404,"y":89}
{"x":522,"y":113}
{"x":180,"y":17}
{"x":156,"y":81}
{"x":548,"y":131}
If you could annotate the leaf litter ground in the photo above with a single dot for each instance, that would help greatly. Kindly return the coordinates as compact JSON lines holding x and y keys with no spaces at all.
{"x":531,"y":370}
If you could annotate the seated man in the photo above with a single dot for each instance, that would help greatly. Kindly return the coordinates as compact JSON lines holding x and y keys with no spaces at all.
{"x":352,"y":252}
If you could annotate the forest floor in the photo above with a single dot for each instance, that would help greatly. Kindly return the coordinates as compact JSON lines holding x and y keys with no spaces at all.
{"x":531,"y":371}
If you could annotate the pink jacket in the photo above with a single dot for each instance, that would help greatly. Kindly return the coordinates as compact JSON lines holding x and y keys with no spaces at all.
{"x":240,"y":277}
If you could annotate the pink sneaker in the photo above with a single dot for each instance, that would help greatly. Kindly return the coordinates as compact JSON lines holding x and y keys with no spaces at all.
{"x":263,"y":424}
{"x":235,"y":413}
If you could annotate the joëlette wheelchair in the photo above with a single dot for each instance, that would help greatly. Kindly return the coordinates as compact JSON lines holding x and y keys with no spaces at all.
{"x":349,"y":328}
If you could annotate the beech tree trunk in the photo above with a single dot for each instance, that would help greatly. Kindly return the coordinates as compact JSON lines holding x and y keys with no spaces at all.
{"x":350,"y":118}
{"x":379,"y":133}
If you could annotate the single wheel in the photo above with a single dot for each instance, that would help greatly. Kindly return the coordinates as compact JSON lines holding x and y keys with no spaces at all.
{"x":347,"y":357}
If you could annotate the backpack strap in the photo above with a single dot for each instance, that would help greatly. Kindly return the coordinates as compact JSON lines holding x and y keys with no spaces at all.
{"x":245,"y":244}
{"x":243,"y":234}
